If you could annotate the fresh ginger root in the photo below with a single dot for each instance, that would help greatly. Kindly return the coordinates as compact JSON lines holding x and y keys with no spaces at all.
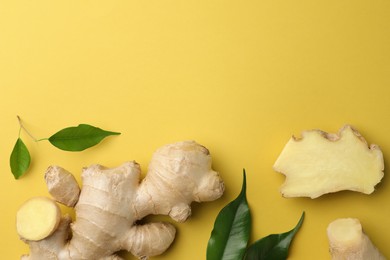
{"x":113,"y":200}
{"x":320,"y":163}
{"x":347,"y":241}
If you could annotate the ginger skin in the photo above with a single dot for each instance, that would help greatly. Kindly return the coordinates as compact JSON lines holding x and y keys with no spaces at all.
{"x":55,"y":177}
{"x":347,"y":241}
{"x":112,"y":200}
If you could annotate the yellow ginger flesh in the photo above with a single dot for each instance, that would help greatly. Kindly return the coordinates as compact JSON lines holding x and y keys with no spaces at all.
{"x":347,"y":241}
{"x":320,"y":163}
{"x":37,"y":218}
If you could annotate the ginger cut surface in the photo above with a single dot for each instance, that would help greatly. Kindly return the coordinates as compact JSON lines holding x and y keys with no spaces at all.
{"x":320,"y":163}
{"x":37,"y":218}
{"x":347,"y":241}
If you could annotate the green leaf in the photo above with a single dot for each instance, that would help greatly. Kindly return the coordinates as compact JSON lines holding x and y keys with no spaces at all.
{"x":229,"y":238}
{"x":273,"y":247}
{"x":20,"y":159}
{"x":79,"y":138}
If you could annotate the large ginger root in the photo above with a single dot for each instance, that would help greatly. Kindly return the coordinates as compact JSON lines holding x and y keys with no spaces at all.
{"x":112,"y":200}
{"x":347,"y":241}
{"x":320,"y":163}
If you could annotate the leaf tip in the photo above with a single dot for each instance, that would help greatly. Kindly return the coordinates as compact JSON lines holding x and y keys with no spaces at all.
{"x":302,"y":218}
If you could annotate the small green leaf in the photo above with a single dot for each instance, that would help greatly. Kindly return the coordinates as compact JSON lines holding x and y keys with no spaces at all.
{"x":273,"y":247}
{"x":79,"y":138}
{"x":229,"y":238}
{"x":20,"y":159}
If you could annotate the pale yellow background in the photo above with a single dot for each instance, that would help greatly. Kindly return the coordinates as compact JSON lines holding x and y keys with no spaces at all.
{"x":240,"y":77}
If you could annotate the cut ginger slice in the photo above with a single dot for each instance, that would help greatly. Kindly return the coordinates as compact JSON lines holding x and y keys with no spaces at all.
{"x":37,"y":218}
{"x":320,"y":163}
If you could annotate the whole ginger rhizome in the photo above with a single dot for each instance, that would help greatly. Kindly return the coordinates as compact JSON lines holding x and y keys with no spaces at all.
{"x":112,"y":200}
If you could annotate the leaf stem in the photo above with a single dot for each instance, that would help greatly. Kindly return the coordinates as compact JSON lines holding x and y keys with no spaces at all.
{"x":20,"y":130}
{"x":27,"y":132}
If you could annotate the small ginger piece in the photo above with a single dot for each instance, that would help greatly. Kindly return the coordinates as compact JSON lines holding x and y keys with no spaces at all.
{"x":320,"y":163}
{"x":37,"y":218}
{"x":347,"y":241}
{"x":62,"y":185}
